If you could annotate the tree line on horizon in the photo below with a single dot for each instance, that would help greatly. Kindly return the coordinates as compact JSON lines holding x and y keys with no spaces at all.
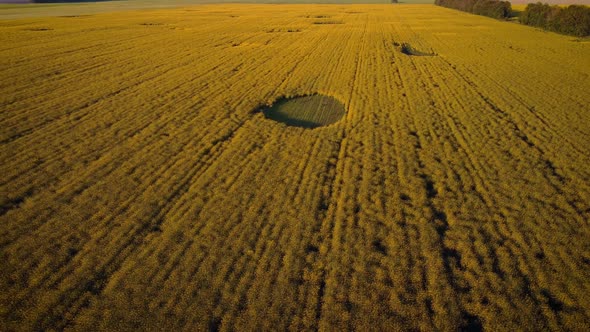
{"x":490,"y":8}
{"x":572,"y":20}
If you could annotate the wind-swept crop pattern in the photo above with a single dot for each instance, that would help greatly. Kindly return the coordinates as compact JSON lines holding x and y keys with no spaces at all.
{"x":142,"y":188}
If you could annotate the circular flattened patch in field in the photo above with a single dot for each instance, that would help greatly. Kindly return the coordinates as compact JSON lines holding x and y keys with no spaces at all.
{"x":407,"y":49}
{"x":306,"y":111}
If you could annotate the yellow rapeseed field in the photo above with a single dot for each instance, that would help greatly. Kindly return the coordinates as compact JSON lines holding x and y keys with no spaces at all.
{"x":143,"y":188}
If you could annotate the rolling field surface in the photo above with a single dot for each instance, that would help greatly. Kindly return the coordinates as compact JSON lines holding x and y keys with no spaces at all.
{"x":142,"y":188}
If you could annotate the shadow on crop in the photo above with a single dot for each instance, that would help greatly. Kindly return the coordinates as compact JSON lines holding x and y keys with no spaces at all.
{"x":310,"y":112}
{"x":407,"y":49}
